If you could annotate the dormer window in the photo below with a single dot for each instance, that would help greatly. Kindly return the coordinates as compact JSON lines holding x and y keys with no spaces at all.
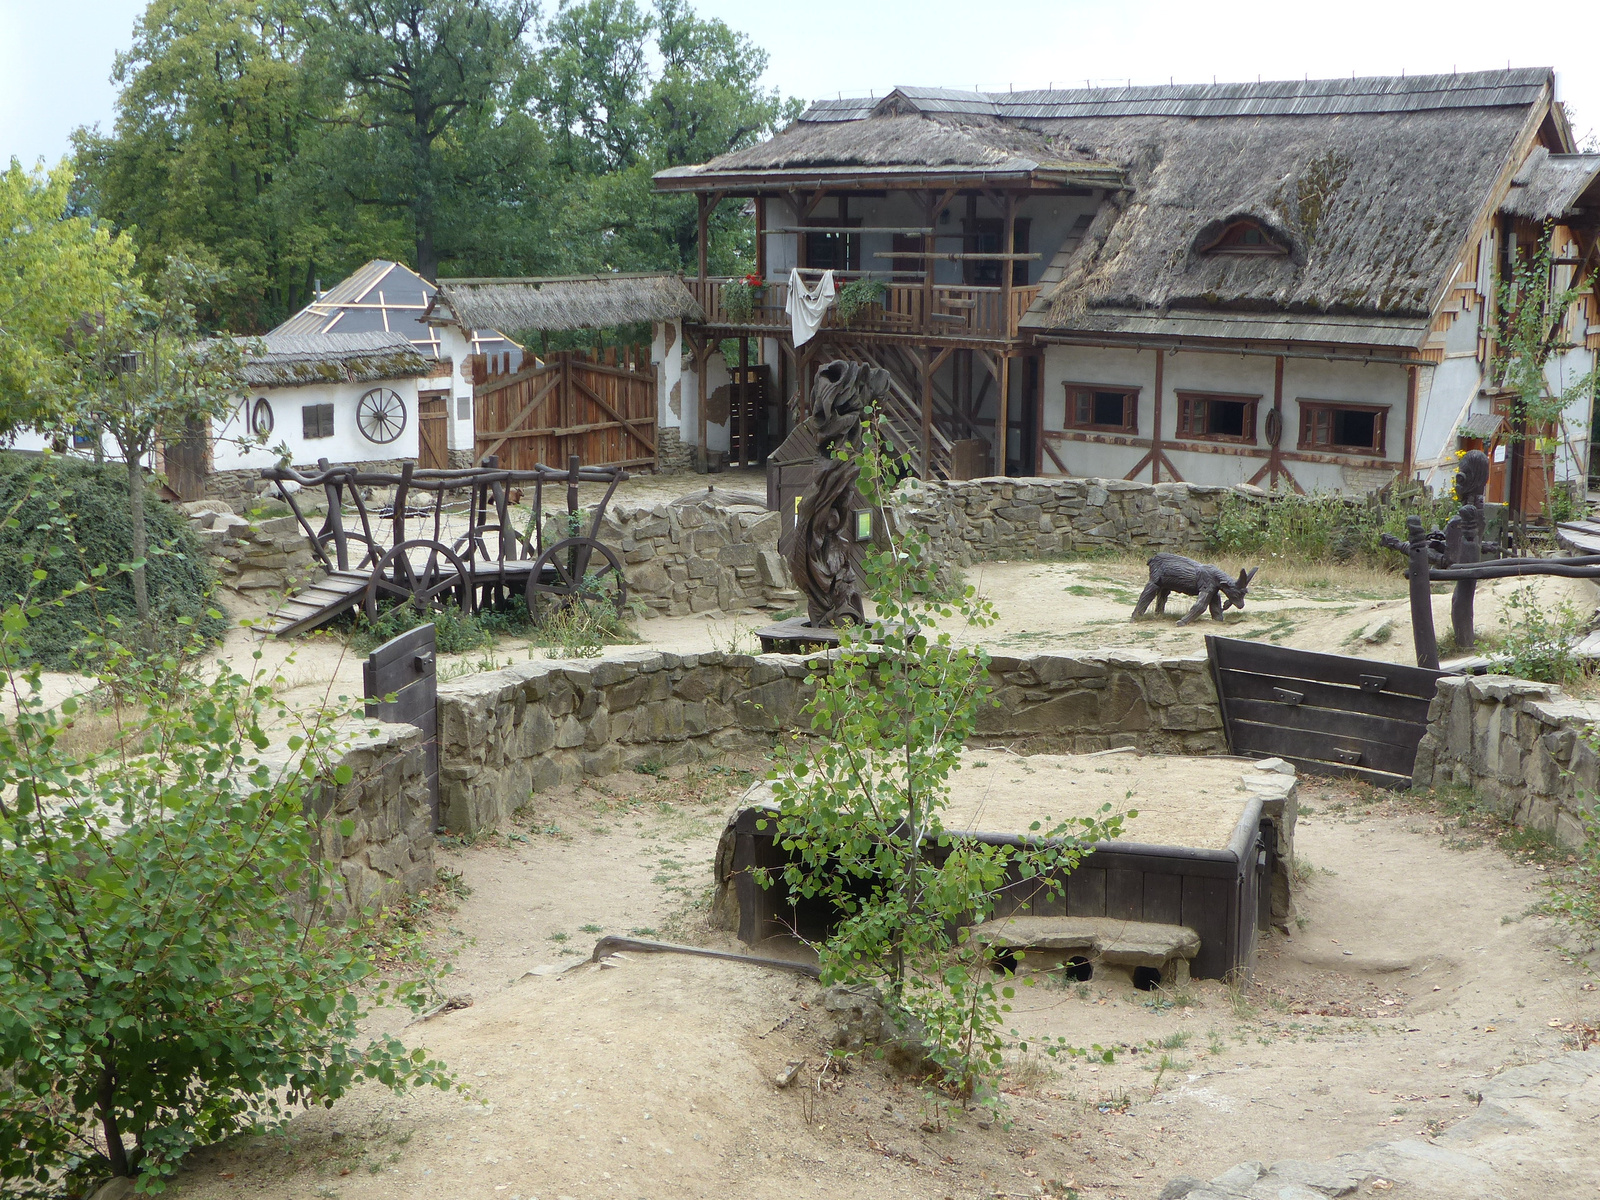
{"x":1245,"y":237}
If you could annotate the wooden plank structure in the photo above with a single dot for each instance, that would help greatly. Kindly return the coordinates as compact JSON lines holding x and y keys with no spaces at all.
{"x":599,"y":407}
{"x":400,"y":682}
{"x":1223,"y":895}
{"x":1329,"y":714}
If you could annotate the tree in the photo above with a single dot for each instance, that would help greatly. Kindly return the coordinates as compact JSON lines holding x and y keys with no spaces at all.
{"x":860,"y":803}
{"x":214,"y":114}
{"x":167,"y":973}
{"x":427,"y":123}
{"x":1534,"y":312}
{"x":138,"y":368}
{"x":54,"y":266}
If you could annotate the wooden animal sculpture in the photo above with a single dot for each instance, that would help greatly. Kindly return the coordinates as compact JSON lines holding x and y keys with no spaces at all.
{"x":1211,"y":586}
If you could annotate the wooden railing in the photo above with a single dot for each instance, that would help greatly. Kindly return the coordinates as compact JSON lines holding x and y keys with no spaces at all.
{"x":955,"y":312}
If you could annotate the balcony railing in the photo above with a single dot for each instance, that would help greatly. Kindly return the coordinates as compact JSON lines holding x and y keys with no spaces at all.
{"x":954,"y":312}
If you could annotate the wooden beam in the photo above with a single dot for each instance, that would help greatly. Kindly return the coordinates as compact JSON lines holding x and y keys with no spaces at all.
{"x":927,"y":416}
{"x":1156,"y":457}
{"x":1004,"y":421}
{"x":952,"y":256}
{"x":761,"y":236}
{"x":1275,"y":459}
{"x":906,"y":229}
{"x":700,"y":222}
{"x":1408,"y":453}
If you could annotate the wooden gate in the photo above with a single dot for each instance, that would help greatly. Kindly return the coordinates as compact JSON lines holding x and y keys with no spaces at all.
{"x":1328,"y":713}
{"x":604,"y":411}
{"x":406,"y":668}
{"x":433,"y":431}
{"x":748,"y":392}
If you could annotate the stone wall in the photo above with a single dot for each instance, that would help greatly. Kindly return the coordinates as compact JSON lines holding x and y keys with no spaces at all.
{"x":1519,"y":745}
{"x":673,"y":455}
{"x":261,"y":556}
{"x":695,"y":556}
{"x":976,"y":519}
{"x":387,"y":800}
{"x":507,"y":734}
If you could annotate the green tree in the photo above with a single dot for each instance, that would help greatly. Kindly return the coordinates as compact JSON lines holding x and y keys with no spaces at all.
{"x":429,"y":131}
{"x":1533,"y":330}
{"x":861,"y":800}
{"x":139,"y":369}
{"x":214,"y":114}
{"x":54,"y":267}
{"x":168,"y":976}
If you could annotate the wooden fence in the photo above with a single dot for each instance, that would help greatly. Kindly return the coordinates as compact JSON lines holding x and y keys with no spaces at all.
{"x":600,"y":407}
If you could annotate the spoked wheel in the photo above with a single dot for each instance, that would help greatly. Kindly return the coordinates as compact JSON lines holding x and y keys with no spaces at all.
{"x":360,"y":551}
{"x":440,"y":581}
{"x":576,"y":571}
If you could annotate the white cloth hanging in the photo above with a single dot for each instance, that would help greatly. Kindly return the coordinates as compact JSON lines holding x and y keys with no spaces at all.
{"x":807,"y":306}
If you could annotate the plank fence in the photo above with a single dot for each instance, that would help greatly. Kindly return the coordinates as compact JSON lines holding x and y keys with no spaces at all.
{"x":601,"y":408}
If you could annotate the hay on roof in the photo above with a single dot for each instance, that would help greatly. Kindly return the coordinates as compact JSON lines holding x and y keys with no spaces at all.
{"x":1549,"y":185}
{"x":297,"y":359}
{"x":563,"y":303}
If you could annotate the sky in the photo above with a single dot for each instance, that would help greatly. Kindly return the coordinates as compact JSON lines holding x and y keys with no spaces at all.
{"x":56,"y":55}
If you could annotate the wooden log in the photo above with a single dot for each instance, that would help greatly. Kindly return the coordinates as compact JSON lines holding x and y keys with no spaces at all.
{"x":956,"y":256}
{"x":1423,"y":639}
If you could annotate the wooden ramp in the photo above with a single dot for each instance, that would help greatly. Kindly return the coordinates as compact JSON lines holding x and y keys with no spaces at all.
{"x":337,"y":592}
{"x":1580,"y":537}
{"x":1329,"y":714}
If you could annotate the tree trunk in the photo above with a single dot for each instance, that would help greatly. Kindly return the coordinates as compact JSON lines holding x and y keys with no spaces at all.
{"x":141,"y":595}
{"x":107,"y":1104}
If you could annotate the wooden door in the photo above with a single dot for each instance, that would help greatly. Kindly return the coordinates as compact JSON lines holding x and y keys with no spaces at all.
{"x":406,"y":668}
{"x":748,"y":389}
{"x":186,"y":462}
{"x":602,"y":409}
{"x":433,"y":431}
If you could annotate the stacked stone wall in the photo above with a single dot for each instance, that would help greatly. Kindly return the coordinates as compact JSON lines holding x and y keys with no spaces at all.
{"x":253,"y":556}
{"x":977,"y":519}
{"x":695,"y":557}
{"x":508,"y":734}
{"x":1519,"y":745}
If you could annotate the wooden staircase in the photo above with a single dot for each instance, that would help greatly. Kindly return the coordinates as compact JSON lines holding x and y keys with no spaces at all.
{"x":900,"y":418}
{"x":334,"y":593}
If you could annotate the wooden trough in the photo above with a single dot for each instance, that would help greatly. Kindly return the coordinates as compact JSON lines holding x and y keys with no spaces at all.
{"x":1145,"y":903}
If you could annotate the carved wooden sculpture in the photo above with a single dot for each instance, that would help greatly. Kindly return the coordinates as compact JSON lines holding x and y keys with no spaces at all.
{"x":819,"y":554}
{"x":1210,"y":585}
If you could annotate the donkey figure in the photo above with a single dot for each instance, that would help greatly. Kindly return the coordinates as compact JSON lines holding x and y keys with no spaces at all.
{"x":1212,"y":587}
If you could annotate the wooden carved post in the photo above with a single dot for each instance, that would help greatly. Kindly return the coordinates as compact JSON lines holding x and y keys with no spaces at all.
{"x":335,"y":495}
{"x":1464,"y":541}
{"x":1422,"y":635}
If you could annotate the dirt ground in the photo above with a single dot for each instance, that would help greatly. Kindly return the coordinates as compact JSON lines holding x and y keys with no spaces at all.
{"x":1415,"y":973}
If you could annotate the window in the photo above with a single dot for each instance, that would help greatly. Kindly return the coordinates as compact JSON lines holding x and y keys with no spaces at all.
{"x":316,"y":420}
{"x":1102,"y":406}
{"x":985,"y":235}
{"x":834,"y":251}
{"x":1350,"y":428}
{"x":1244,"y":237}
{"x":1217,"y":418}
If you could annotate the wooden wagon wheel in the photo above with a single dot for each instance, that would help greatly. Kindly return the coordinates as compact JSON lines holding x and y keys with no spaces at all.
{"x":369,"y":553}
{"x":442,"y":581}
{"x":576,"y":570}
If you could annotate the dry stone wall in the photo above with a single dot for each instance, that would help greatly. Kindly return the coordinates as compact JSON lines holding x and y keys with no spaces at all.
{"x":1519,"y":745}
{"x":508,"y":734}
{"x":976,"y":519}
{"x":693,"y":557}
{"x":260,"y":556}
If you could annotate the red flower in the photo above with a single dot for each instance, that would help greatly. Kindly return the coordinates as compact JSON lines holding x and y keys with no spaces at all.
{"x":753,"y":280}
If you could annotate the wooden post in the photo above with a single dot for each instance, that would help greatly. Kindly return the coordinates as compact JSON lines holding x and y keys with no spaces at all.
{"x":1003,"y":421}
{"x":335,"y":495}
{"x":1274,"y":448}
{"x":926,"y":319}
{"x":1008,"y":245}
{"x":927,"y":414}
{"x":702,"y":360}
{"x":400,"y":491}
{"x":702,"y":214}
{"x":744,"y":400}
{"x":1408,"y":454}
{"x":1155,"y":419}
{"x":574,"y":465}
{"x":761,"y":237}
{"x":1423,"y":638}
{"x":1461,"y":616}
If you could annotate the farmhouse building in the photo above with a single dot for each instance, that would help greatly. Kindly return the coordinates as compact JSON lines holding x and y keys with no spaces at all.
{"x":1290,"y":284}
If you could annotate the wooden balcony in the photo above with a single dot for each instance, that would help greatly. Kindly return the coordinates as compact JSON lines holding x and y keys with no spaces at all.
{"x":955,"y":313}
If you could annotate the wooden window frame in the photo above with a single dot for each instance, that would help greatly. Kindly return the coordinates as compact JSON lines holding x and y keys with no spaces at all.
{"x":316,"y":421}
{"x":1227,"y":241}
{"x":1190,"y":403}
{"x":1311,"y":410}
{"x":1130,"y":407}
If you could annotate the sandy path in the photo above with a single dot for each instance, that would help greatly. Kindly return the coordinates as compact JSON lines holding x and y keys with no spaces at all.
{"x":1416,"y":977}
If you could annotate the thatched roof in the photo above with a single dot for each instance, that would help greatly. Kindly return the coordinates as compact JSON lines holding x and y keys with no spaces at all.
{"x":1550,"y":185}
{"x":297,"y":359}
{"x":1370,"y":186}
{"x":563,"y":302}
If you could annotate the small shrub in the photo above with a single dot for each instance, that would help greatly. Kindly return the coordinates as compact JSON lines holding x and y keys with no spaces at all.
{"x":857,"y":295}
{"x":1538,"y":638}
{"x":1321,"y":528}
{"x":455,"y":632}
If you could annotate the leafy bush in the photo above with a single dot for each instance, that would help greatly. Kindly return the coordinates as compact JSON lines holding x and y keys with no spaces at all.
{"x":1321,"y":528}
{"x":93,"y":503}
{"x":168,"y":976}
{"x":857,"y":295}
{"x":454,"y":631}
{"x":1537,"y":639}
{"x":860,"y":814}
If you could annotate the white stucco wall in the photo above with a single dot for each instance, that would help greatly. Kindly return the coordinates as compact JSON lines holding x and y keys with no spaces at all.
{"x":716,"y":376}
{"x":454,"y":345}
{"x":666,"y":352}
{"x":346,"y":445}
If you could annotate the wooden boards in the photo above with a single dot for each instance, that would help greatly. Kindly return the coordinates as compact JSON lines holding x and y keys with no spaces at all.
{"x":1328,"y":713}
{"x":400,"y":682}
